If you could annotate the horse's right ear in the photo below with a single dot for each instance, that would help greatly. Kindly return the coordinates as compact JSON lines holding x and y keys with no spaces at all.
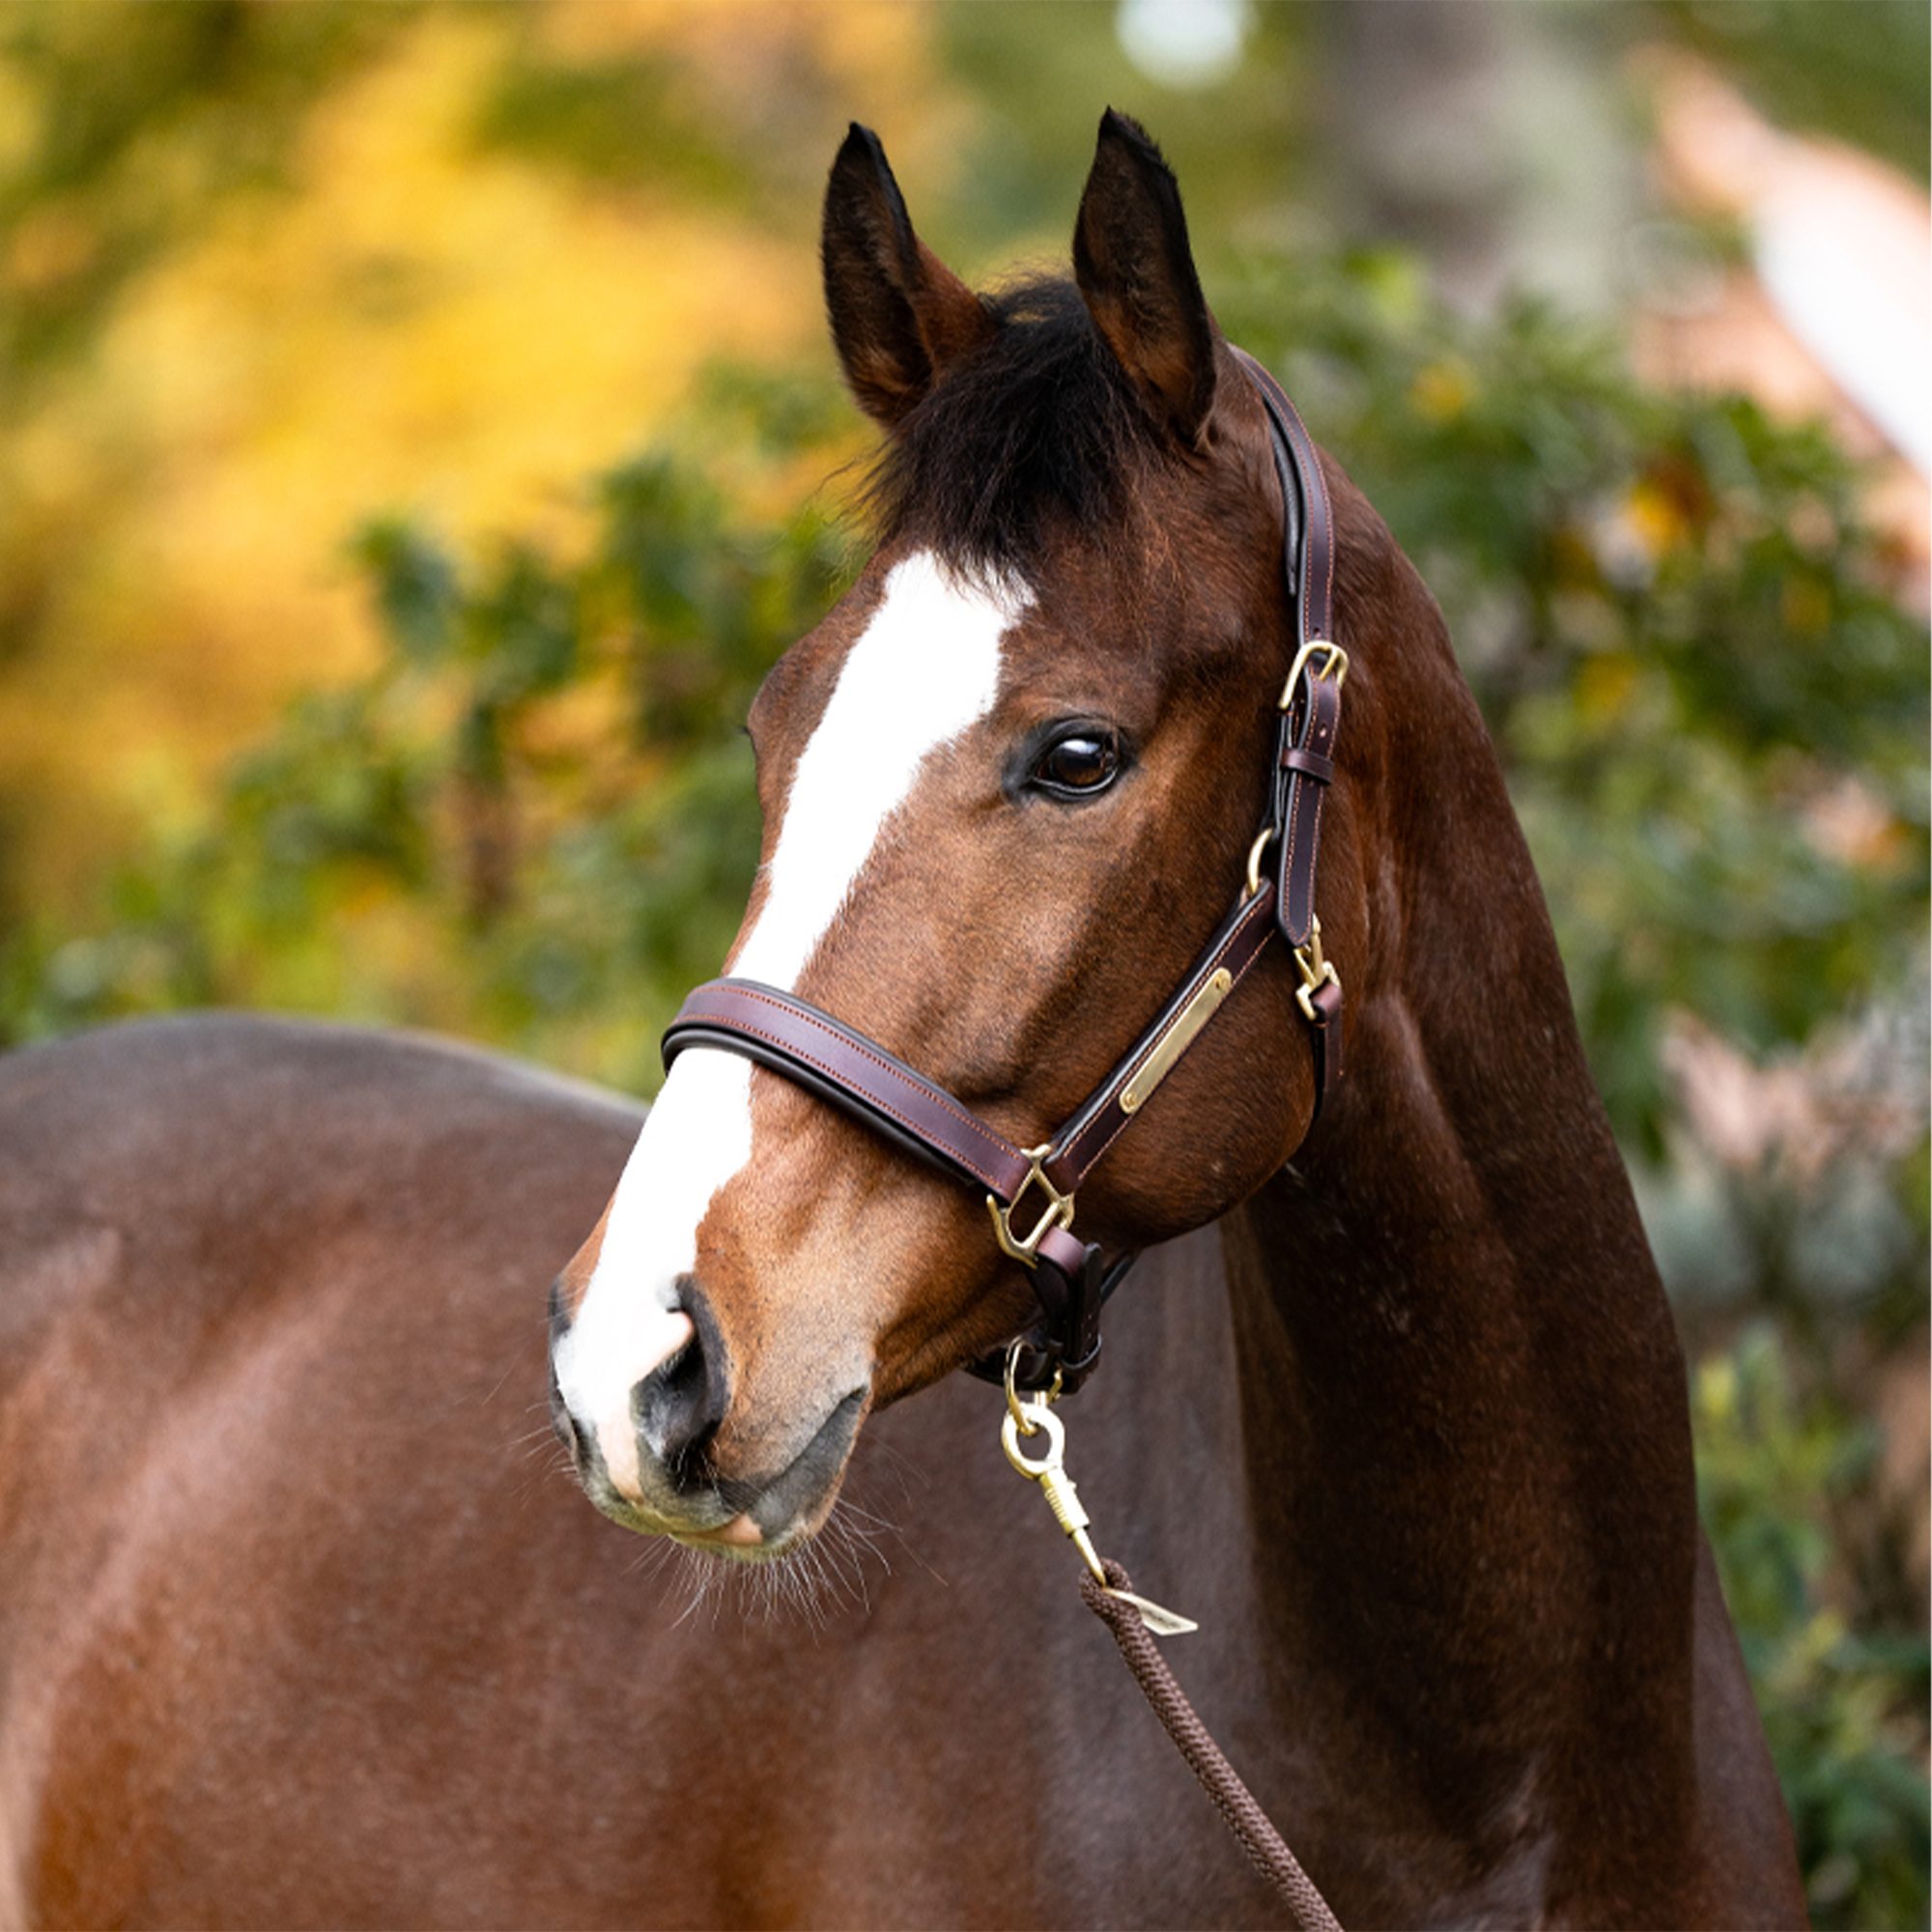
{"x":898,"y":313}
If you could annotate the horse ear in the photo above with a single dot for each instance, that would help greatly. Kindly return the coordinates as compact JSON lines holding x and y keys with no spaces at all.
{"x":1136,"y":272}
{"x":898,"y":313}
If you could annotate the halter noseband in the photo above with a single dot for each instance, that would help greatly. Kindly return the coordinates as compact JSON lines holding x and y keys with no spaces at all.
{"x":843,"y":1067}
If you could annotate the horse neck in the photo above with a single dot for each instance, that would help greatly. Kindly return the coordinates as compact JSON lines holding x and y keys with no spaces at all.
{"x":1461,"y":1398}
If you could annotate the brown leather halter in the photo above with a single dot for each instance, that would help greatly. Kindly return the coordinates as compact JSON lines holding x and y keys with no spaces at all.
{"x":840,"y":1064}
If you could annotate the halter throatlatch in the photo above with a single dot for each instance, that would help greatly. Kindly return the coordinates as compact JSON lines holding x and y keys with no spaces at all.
{"x":1030,"y":1191}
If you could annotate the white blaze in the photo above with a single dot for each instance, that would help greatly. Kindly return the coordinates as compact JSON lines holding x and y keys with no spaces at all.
{"x":925,"y":670}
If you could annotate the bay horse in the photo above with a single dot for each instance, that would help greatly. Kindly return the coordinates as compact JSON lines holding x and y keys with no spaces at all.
{"x":294,"y":1629}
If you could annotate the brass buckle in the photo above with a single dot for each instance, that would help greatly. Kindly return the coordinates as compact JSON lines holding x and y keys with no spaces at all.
{"x":1058,"y":1211}
{"x":1334,"y":663}
{"x":1316,"y":971}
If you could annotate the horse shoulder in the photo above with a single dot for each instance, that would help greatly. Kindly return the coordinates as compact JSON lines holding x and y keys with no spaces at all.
{"x":271,"y":1361}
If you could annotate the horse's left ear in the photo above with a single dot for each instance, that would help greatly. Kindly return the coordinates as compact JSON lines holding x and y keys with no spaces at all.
{"x":1136,"y":272}
{"x":898,"y":313}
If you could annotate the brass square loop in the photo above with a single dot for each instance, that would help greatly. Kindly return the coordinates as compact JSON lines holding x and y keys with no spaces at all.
{"x":1058,"y":1211}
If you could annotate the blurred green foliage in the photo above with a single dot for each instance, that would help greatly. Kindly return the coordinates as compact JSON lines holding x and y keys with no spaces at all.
{"x":1843,"y":1708}
{"x":1026,"y":154}
{"x":534,"y":821}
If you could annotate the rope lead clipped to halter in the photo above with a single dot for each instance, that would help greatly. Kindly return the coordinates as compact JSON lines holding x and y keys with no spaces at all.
{"x":1032,"y":1415}
{"x":1109,"y":1599}
{"x":1108,"y":1591}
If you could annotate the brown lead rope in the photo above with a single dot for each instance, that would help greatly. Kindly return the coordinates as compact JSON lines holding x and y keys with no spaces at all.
{"x":1235,"y":1803}
{"x":1108,"y":1593}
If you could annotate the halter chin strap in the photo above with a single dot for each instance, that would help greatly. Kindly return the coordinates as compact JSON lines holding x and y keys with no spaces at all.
{"x":840,"y":1064}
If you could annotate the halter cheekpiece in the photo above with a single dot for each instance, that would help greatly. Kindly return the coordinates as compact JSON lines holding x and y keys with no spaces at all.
{"x":1030,"y":1191}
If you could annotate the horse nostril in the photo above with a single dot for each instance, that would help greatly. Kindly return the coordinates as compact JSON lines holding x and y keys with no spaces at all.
{"x":678,"y":1406}
{"x":561,"y":1421}
{"x":563,"y":1424}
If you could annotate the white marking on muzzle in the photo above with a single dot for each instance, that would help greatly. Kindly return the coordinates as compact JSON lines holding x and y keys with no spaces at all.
{"x":923,"y":672}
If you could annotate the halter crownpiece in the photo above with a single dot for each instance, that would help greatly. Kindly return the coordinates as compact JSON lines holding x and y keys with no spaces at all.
{"x":1037,"y":1185}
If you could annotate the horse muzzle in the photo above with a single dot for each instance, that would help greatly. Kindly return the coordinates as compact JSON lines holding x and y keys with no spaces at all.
{"x":657,"y":1465}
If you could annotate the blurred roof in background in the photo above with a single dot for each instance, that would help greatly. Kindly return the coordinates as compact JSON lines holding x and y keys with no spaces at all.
{"x":1825,"y":306}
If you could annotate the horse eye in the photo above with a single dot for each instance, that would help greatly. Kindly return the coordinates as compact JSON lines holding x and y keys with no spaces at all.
{"x":1079,"y":764}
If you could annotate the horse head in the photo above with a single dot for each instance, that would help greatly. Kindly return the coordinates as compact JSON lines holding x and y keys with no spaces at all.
{"x":1009,"y":786}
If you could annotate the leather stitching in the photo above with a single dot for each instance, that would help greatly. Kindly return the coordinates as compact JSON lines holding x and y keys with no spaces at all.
{"x":903,"y":1075}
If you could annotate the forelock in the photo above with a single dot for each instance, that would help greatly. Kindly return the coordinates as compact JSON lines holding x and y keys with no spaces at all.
{"x":1035,"y":432}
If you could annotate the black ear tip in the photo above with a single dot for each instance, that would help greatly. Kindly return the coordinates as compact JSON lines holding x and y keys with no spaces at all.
{"x":859,"y":145}
{"x":1124,"y":128}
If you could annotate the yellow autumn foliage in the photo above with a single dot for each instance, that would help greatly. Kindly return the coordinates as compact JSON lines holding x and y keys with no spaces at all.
{"x":414,"y":322}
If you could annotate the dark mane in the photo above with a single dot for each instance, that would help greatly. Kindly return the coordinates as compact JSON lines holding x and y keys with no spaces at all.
{"x":1033,"y":432}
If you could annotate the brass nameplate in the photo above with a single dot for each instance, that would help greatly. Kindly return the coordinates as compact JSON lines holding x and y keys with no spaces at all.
{"x":1176,"y":1040}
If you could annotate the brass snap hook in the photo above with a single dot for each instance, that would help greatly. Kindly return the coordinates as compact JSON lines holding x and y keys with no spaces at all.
{"x":1035,"y":1416}
{"x":1020,"y":1408}
{"x":1055,"y":1483}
